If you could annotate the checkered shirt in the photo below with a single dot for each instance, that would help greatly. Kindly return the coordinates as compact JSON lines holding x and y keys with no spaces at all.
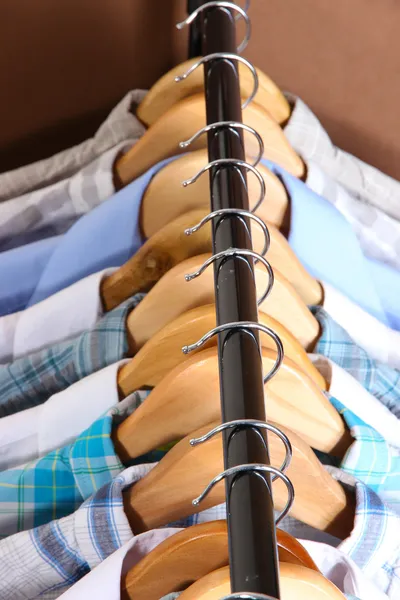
{"x":32,"y":379}
{"x":371,"y":459}
{"x":379,"y":379}
{"x":54,"y":485}
{"x":368,"y":184}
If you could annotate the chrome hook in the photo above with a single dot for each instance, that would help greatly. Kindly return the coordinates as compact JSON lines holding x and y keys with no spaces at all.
{"x":231,"y":252}
{"x":232,"y":125}
{"x":233,"y":212}
{"x":251,"y":468}
{"x":221,"y":4}
{"x":243,"y":325}
{"x":229,"y":56}
{"x":251,"y":424}
{"x":227,"y":162}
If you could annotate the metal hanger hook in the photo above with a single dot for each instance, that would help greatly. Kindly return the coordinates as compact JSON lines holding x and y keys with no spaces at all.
{"x":250,"y":424}
{"x":233,"y":212}
{"x":243,"y":325}
{"x":251,"y":468}
{"x":229,"y":56}
{"x":221,"y":4}
{"x":231,"y":162}
{"x":228,"y":125}
{"x":232,"y":252}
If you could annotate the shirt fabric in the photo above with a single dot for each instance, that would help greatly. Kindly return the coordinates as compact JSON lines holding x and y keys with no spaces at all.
{"x":350,"y":392}
{"x":52,"y":210}
{"x":371,"y":285}
{"x":33,"y":433}
{"x":55,"y":485}
{"x":31,"y":380}
{"x":59,"y":317}
{"x":107,"y":236}
{"x":378,"y":234}
{"x":382,"y":381}
{"x":120,"y":125}
{"x":309,"y":138}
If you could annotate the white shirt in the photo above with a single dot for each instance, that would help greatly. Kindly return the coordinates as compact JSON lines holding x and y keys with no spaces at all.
{"x":356,"y":398}
{"x":57,"y":318}
{"x":379,"y":341}
{"x":105,"y":580}
{"x":32,"y":433}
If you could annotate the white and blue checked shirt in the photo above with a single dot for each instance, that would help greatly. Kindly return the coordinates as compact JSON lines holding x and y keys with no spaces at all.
{"x":47,"y":560}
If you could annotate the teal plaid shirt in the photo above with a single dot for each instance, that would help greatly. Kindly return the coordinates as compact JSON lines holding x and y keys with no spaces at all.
{"x":55,"y":485}
{"x":370,"y":458}
{"x":380,"y":380}
{"x":32,"y":379}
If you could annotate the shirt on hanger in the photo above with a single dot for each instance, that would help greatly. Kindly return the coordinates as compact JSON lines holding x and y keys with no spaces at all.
{"x":120,"y":125}
{"x":377,"y":232}
{"x":381,"y":381}
{"x":52,"y":210}
{"x":34,"y":432}
{"x":309,"y":138}
{"x":56,"y":484}
{"x":317,"y":246}
{"x":31,"y":380}
{"x":345,"y":388}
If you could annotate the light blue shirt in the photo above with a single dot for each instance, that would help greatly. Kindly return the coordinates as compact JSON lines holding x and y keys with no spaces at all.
{"x":109,"y":235}
{"x":328,"y":248}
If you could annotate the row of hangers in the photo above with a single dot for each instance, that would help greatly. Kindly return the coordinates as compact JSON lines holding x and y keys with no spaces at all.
{"x":183,"y":406}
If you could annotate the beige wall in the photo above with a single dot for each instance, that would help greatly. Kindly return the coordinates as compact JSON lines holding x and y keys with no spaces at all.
{"x":64,"y":64}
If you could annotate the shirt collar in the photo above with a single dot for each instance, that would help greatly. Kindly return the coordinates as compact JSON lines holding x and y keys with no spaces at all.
{"x":318,"y":247}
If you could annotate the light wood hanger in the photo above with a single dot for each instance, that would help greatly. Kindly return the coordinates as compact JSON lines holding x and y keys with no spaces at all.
{"x":172,"y":296}
{"x":170,"y":246}
{"x":296,"y":583}
{"x":186,"y":118}
{"x":165,"y":198}
{"x":188,"y":397}
{"x":165,"y":494}
{"x":191,"y":554}
{"x":166,"y":92}
{"x":163,"y":351}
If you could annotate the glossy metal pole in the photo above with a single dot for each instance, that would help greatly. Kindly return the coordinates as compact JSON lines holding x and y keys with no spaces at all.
{"x":195,"y":29}
{"x":251,"y":526}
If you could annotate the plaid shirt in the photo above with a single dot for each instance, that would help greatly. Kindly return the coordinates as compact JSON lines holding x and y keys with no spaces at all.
{"x":380,"y":380}
{"x":119,"y":126}
{"x":378,"y":234}
{"x":49,"y":559}
{"x":32,"y":379}
{"x":53,"y":486}
{"x":368,"y":184}
{"x":371,"y":459}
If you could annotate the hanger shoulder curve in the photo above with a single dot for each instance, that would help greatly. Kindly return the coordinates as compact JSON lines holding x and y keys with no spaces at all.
{"x":166,"y":92}
{"x":187,"y":117}
{"x":165,"y":494}
{"x":163,"y":351}
{"x":191,"y":554}
{"x":166,"y":198}
{"x":296,"y":582}
{"x":172,"y":296}
{"x":177,"y":406}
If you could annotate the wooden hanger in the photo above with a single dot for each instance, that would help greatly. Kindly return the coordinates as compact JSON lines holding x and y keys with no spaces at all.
{"x":186,"y":118}
{"x":296,"y":583}
{"x":188,"y":397}
{"x":166,"y":493}
{"x":191,"y":554}
{"x":163,"y":351}
{"x":165,"y":198}
{"x":166,"y":92}
{"x":172,"y":296}
{"x":170,"y":246}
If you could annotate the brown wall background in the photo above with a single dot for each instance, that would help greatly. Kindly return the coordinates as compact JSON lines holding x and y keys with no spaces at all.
{"x":64,"y":64}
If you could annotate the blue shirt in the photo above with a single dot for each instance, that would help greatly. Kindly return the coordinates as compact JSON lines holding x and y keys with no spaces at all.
{"x":328,"y":248}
